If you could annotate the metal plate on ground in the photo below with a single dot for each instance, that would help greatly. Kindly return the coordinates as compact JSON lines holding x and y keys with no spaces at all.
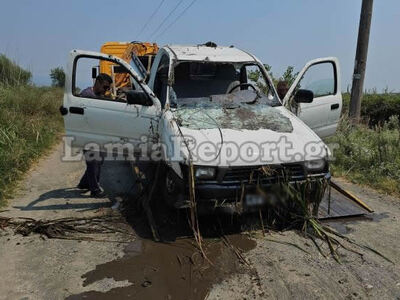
{"x":340,"y":206}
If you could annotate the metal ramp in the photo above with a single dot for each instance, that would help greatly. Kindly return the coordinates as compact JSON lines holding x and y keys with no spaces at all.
{"x":342,"y":204}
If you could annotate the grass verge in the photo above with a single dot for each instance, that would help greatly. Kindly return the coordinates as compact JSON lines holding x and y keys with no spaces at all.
{"x":369,"y":156}
{"x":30,"y":124}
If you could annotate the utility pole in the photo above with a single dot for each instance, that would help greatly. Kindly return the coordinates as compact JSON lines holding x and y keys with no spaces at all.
{"x":360,"y":61}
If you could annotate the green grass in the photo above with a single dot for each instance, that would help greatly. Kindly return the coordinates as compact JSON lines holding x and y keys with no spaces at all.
{"x":369,"y":156}
{"x":30,"y":124}
{"x":11,"y":74}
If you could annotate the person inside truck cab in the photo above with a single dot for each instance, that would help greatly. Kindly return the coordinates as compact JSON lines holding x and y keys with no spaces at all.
{"x":98,"y":90}
{"x":282,"y":88}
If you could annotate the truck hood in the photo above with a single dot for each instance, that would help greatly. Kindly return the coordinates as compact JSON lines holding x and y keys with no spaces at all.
{"x":248,"y":135}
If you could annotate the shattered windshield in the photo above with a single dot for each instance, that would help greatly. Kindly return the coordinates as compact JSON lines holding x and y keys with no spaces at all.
{"x":240,"y":110}
{"x":226,"y":96}
{"x":196,"y":82}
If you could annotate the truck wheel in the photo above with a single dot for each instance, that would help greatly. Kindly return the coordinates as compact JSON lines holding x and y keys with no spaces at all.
{"x":173,"y":188}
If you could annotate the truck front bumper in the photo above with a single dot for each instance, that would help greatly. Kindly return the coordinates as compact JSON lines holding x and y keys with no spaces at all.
{"x":232,"y":197}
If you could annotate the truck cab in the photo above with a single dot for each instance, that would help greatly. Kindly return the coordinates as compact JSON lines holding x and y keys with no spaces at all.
{"x":213,"y":112}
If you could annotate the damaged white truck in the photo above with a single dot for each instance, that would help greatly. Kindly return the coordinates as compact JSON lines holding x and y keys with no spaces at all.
{"x":213,"y":117}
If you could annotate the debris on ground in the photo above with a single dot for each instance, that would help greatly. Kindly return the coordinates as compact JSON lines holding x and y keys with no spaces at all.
{"x":68,"y":228}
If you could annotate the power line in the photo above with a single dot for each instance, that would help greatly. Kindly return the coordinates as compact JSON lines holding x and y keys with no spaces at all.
{"x":150,"y":18}
{"x":177,"y":18}
{"x":166,"y":18}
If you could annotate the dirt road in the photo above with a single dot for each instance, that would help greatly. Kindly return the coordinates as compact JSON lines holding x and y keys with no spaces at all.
{"x":244,"y":266}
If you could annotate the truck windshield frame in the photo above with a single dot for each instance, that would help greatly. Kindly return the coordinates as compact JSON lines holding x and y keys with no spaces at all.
{"x":203,"y":79}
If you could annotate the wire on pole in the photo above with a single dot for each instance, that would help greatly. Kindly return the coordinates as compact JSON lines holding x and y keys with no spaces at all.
{"x":176,"y":19}
{"x":150,"y":18}
{"x":166,"y":18}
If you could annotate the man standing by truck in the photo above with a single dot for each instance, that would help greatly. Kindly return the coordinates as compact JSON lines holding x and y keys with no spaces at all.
{"x":91,"y":178}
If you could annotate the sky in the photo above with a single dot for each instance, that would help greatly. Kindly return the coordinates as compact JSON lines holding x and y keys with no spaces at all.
{"x":38,"y":34}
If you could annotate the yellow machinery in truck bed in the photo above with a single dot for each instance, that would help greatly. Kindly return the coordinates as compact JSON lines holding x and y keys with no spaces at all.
{"x":143,"y":50}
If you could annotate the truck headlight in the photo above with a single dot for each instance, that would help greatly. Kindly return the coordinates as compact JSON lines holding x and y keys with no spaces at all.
{"x":315,"y":165}
{"x":205,"y":173}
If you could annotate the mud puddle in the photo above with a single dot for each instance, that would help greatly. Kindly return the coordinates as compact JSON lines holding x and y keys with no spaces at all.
{"x":175,"y":270}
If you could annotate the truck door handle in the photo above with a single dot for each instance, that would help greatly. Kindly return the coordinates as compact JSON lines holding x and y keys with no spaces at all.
{"x":334,"y":106}
{"x":76,"y":110}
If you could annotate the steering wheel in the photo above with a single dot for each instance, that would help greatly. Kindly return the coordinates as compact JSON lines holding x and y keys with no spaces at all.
{"x":242,"y":85}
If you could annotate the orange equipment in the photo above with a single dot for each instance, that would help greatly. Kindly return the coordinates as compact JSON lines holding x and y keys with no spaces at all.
{"x":144,"y":51}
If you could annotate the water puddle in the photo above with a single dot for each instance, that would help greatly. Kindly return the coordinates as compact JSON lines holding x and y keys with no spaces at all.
{"x":173,"y":270}
{"x":343,"y":225}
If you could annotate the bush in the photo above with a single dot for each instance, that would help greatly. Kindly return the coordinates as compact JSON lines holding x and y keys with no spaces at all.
{"x":376,"y":109}
{"x":11,"y":74}
{"x":30,"y":124}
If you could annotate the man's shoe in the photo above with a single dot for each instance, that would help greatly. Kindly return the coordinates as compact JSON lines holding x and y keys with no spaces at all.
{"x":98,"y":194}
{"x":82,"y":187}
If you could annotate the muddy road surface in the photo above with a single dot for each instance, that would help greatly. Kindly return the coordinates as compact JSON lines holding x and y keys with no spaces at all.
{"x":123,"y":262}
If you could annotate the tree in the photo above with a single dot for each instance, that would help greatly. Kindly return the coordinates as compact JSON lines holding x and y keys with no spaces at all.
{"x":289,"y":76}
{"x":57,"y":76}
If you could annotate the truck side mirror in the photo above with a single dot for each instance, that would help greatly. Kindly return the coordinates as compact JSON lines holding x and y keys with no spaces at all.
{"x":138,"y":97}
{"x":304,"y":96}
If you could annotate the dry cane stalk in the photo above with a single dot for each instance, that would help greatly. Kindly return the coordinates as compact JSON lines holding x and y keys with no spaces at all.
{"x":193,"y":213}
{"x":262,"y":222}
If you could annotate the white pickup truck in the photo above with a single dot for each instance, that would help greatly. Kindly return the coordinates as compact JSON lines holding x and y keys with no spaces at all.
{"x":215,"y":108}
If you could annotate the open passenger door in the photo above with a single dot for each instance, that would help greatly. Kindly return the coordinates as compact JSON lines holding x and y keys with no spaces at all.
{"x":322,"y":77}
{"x":100,"y":119}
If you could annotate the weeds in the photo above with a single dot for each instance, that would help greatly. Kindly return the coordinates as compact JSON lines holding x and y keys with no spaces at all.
{"x":369,"y":155}
{"x":29,"y":125}
{"x":297,"y":206}
{"x":11,"y":74}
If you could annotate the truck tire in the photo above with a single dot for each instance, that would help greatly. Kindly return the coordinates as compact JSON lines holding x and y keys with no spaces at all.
{"x":173,"y":188}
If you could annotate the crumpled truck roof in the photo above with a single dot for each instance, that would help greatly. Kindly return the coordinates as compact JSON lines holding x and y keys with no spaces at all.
{"x":206,"y":53}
